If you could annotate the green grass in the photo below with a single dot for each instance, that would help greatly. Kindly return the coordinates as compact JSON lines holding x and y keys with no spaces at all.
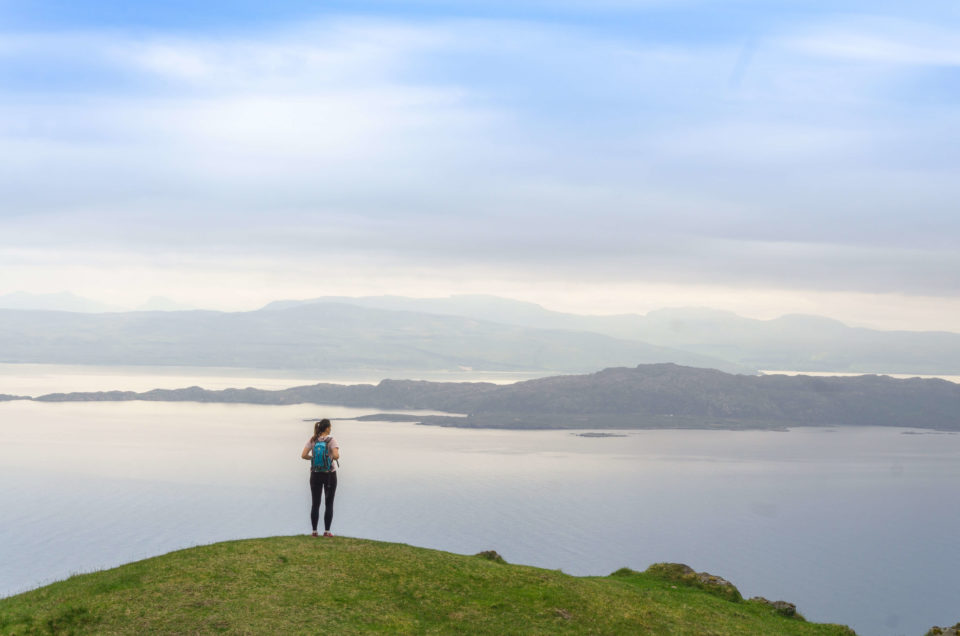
{"x":303,"y":585}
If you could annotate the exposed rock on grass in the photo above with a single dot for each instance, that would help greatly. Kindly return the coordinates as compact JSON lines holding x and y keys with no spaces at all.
{"x":491,"y":555}
{"x":684,"y":574}
{"x":782,"y":607}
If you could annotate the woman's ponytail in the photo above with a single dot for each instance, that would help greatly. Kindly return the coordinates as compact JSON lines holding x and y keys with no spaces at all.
{"x":319,"y":429}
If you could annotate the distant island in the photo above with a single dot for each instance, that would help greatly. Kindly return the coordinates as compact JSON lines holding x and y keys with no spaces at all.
{"x":596,"y":434}
{"x":666,"y":396}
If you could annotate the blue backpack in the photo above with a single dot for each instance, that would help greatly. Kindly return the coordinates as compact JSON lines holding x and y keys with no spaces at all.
{"x":322,"y":462}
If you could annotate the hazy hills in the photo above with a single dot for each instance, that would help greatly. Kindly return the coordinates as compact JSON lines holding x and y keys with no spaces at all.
{"x":395,"y":336}
{"x":793,"y":342}
{"x":321,"y":336}
{"x":647,"y":396}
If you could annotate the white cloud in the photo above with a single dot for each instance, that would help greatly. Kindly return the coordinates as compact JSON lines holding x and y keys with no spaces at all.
{"x":472,"y":150}
{"x":301,"y":60}
{"x":886,"y":41}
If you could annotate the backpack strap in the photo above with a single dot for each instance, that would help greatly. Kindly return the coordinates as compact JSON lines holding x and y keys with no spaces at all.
{"x":330,"y":437}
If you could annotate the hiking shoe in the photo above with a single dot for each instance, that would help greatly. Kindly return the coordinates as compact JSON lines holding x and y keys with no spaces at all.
{"x":328,"y":534}
{"x":314,"y":534}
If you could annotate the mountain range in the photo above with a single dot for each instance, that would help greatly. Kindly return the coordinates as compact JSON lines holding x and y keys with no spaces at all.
{"x":793,"y":342}
{"x":323,"y":336}
{"x":395,"y":335}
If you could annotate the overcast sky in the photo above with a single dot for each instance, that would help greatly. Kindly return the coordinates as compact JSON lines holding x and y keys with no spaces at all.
{"x":596,"y":156}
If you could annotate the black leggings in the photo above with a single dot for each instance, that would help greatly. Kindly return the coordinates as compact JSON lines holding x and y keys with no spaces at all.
{"x":325,"y":483}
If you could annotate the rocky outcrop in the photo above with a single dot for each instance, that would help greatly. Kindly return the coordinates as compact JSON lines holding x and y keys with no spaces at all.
{"x":491,"y":555}
{"x":781,"y":607}
{"x":945,"y":631}
{"x":685,"y":575}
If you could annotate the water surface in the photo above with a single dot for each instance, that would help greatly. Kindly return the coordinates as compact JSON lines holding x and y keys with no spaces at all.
{"x":856,"y":526}
{"x":39,"y":379}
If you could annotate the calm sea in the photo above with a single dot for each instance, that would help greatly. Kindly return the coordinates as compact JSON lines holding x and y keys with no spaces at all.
{"x":39,"y":379}
{"x":856,"y":526}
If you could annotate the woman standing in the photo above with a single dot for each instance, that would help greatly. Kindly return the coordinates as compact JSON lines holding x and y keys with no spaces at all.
{"x":322,"y":450}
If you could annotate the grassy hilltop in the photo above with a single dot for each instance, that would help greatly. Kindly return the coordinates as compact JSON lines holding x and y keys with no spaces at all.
{"x":302,"y":585}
